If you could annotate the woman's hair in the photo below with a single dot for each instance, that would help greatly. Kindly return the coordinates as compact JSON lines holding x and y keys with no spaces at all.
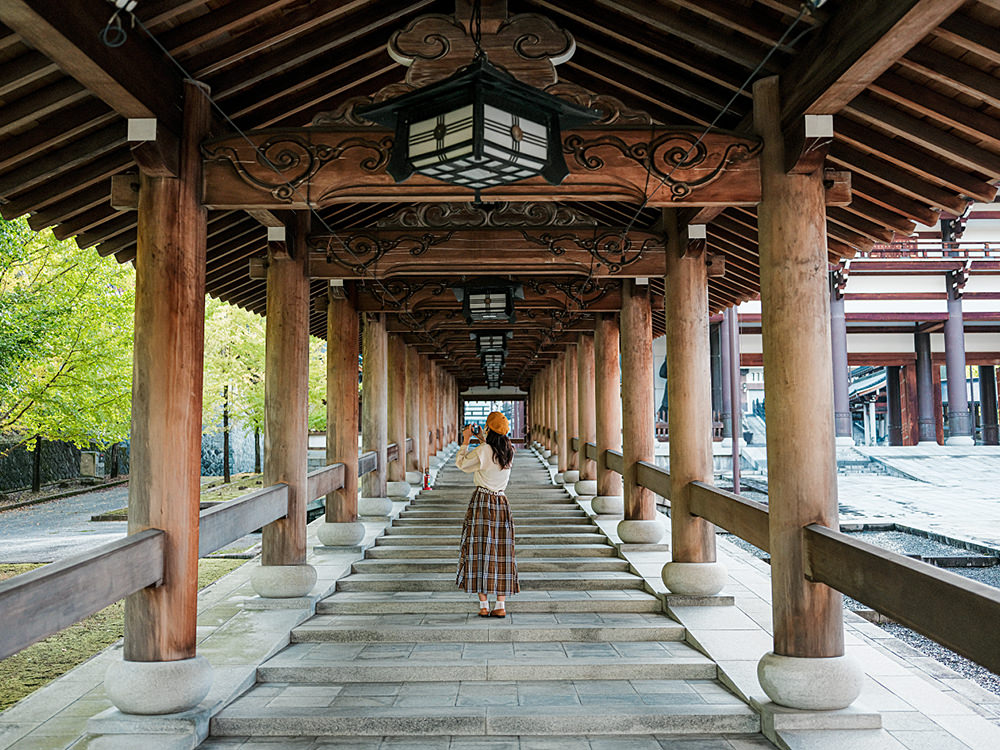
{"x":503,"y":451}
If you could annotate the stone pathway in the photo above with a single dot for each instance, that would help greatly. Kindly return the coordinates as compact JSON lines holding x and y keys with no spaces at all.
{"x":396,"y":658}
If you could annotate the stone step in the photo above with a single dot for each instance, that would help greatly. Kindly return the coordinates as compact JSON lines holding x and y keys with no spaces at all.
{"x":529,"y":565}
{"x":460,"y":503}
{"x":714,"y":741}
{"x":478,"y":707}
{"x":520,"y":537}
{"x":523,"y":551}
{"x":440,"y":519}
{"x":452,"y":529}
{"x":459,"y":602}
{"x":561,"y":580}
{"x":424,"y":662}
{"x":516,"y":627}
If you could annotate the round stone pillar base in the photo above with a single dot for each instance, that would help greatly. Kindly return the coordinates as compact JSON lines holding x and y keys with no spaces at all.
{"x":282,"y":581}
{"x":608,"y":505}
{"x":374,"y":506}
{"x":959,"y":440}
{"x":158,"y":687}
{"x":640,"y":532}
{"x":694,"y":579}
{"x":845,"y":442}
{"x":341,"y":534}
{"x":821,"y":684}
{"x":554,"y":459}
{"x":586,"y":487}
{"x":558,"y":478}
{"x":571,"y":477}
{"x":398,"y":490}
{"x":414,"y":478}
{"x":546,"y":453}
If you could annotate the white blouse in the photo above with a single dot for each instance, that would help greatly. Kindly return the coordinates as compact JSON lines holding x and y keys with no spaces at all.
{"x":480,"y":460}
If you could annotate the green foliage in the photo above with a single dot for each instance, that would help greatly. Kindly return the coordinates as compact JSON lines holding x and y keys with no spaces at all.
{"x":234,"y":357}
{"x":66,"y":320}
{"x":317,"y":384}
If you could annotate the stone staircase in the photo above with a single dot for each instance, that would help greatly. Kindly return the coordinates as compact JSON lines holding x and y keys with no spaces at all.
{"x":398,"y":658}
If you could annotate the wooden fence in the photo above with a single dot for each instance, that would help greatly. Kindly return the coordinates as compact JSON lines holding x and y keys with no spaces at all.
{"x":954,"y":611}
{"x":36,"y":604}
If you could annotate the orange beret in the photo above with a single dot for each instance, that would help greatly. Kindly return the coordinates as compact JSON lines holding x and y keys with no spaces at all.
{"x":497,"y":422}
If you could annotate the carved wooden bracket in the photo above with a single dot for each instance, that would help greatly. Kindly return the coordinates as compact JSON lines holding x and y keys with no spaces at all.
{"x":807,"y":144}
{"x":313,"y":167}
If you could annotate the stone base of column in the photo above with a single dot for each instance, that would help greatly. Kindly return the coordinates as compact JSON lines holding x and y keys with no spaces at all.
{"x":558,"y":478}
{"x":341,"y":534}
{"x":414,"y":478}
{"x":158,"y":687}
{"x":553,"y":459}
{"x":927,"y":443}
{"x":571,"y":477}
{"x":398,"y":490}
{"x":608,"y":505}
{"x":960,"y":440}
{"x":695,"y":579}
{"x":845,"y":442}
{"x":640,"y":532}
{"x":378,"y":507}
{"x":821,"y":684}
{"x":546,"y":453}
{"x":282,"y":581}
{"x":586,"y":488}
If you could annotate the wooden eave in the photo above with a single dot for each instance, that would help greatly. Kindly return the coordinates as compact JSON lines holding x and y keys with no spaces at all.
{"x":914,"y":87}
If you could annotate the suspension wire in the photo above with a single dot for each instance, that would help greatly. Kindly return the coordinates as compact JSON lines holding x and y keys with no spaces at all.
{"x":809,"y":6}
{"x":263,"y":159}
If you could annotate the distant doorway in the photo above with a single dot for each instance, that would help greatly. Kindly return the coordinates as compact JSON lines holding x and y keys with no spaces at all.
{"x":475,"y":412}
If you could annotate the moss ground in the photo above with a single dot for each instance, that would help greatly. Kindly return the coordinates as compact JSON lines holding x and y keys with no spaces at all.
{"x":39,"y":664}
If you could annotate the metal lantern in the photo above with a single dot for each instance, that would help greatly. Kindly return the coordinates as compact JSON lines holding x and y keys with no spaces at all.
{"x":491,"y":342}
{"x":489,"y":301}
{"x":479,"y":128}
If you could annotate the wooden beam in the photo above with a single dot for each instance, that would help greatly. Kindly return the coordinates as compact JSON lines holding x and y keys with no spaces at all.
{"x":859,"y":43}
{"x":135,"y":79}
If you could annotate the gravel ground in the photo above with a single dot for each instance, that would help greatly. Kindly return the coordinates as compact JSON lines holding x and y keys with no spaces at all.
{"x":914,"y":544}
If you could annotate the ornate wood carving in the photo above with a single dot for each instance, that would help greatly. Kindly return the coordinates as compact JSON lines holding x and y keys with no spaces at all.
{"x":360,"y":250}
{"x":503,"y":214}
{"x":580,"y":293}
{"x":312,"y":167}
{"x":613,"y":248}
{"x":613,"y":111}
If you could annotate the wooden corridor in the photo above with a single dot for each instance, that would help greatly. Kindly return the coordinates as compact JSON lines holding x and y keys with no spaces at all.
{"x":397,"y":655}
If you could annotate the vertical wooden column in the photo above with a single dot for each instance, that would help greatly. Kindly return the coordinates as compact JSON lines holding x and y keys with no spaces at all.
{"x":342,"y":527}
{"x":414,"y":414}
{"x":798,"y":383}
{"x":374,"y":417}
{"x":693,"y":570}
{"x":165,"y":489}
{"x":572,"y":473}
{"x":988,"y":401}
{"x":425,"y":413}
{"x":927,"y":396}
{"x":608,"y":403}
{"x":641,"y":524}
{"x":960,"y":424}
{"x":587,"y":425}
{"x":553,"y":386}
{"x":397,"y":486}
{"x":562,"y":425}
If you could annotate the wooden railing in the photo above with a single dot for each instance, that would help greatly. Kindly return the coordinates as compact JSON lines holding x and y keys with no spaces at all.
{"x":947,"y":608}
{"x":36,"y":604}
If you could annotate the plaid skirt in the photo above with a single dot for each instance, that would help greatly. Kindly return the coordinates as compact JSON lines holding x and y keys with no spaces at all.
{"x":486,"y":560}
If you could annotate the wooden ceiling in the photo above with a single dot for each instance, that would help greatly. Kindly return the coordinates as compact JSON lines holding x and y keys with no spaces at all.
{"x":913,"y":86}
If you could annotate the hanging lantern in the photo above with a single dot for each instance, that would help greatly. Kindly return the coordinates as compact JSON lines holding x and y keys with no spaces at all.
{"x":492,"y":342}
{"x":489,"y":301}
{"x":478,"y":128}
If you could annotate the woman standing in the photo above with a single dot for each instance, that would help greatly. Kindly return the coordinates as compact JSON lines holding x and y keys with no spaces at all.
{"x":486,"y":560}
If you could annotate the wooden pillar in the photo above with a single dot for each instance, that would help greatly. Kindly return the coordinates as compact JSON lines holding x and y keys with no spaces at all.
{"x":286,"y":394}
{"x":572,"y":412}
{"x":342,"y":405}
{"x":164,"y":493}
{"x":374,"y":402}
{"x":893,"y":406}
{"x":413,"y":410}
{"x":798,"y":382}
{"x":988,"y":401}
{"x":960,"y":426}
{"x":425,"y":413}
{"x":641,"y":524}
{"x":562,"y":425}
{"x":608,"y":402}
{"x":689,"y":393}
{"x":585,"y":403}
{"x":554,"y":417}
{"x":396,"y":470}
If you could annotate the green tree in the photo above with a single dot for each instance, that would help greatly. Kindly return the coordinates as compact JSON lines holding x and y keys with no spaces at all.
{"x":317,"y":384}
{"x":66,"y":322}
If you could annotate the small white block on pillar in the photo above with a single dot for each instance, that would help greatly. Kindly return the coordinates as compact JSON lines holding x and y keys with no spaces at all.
{"x":158,"y":687}
{"x":341,"y":534}
{"x":140,"y":129}
{"x":282,"y":581}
